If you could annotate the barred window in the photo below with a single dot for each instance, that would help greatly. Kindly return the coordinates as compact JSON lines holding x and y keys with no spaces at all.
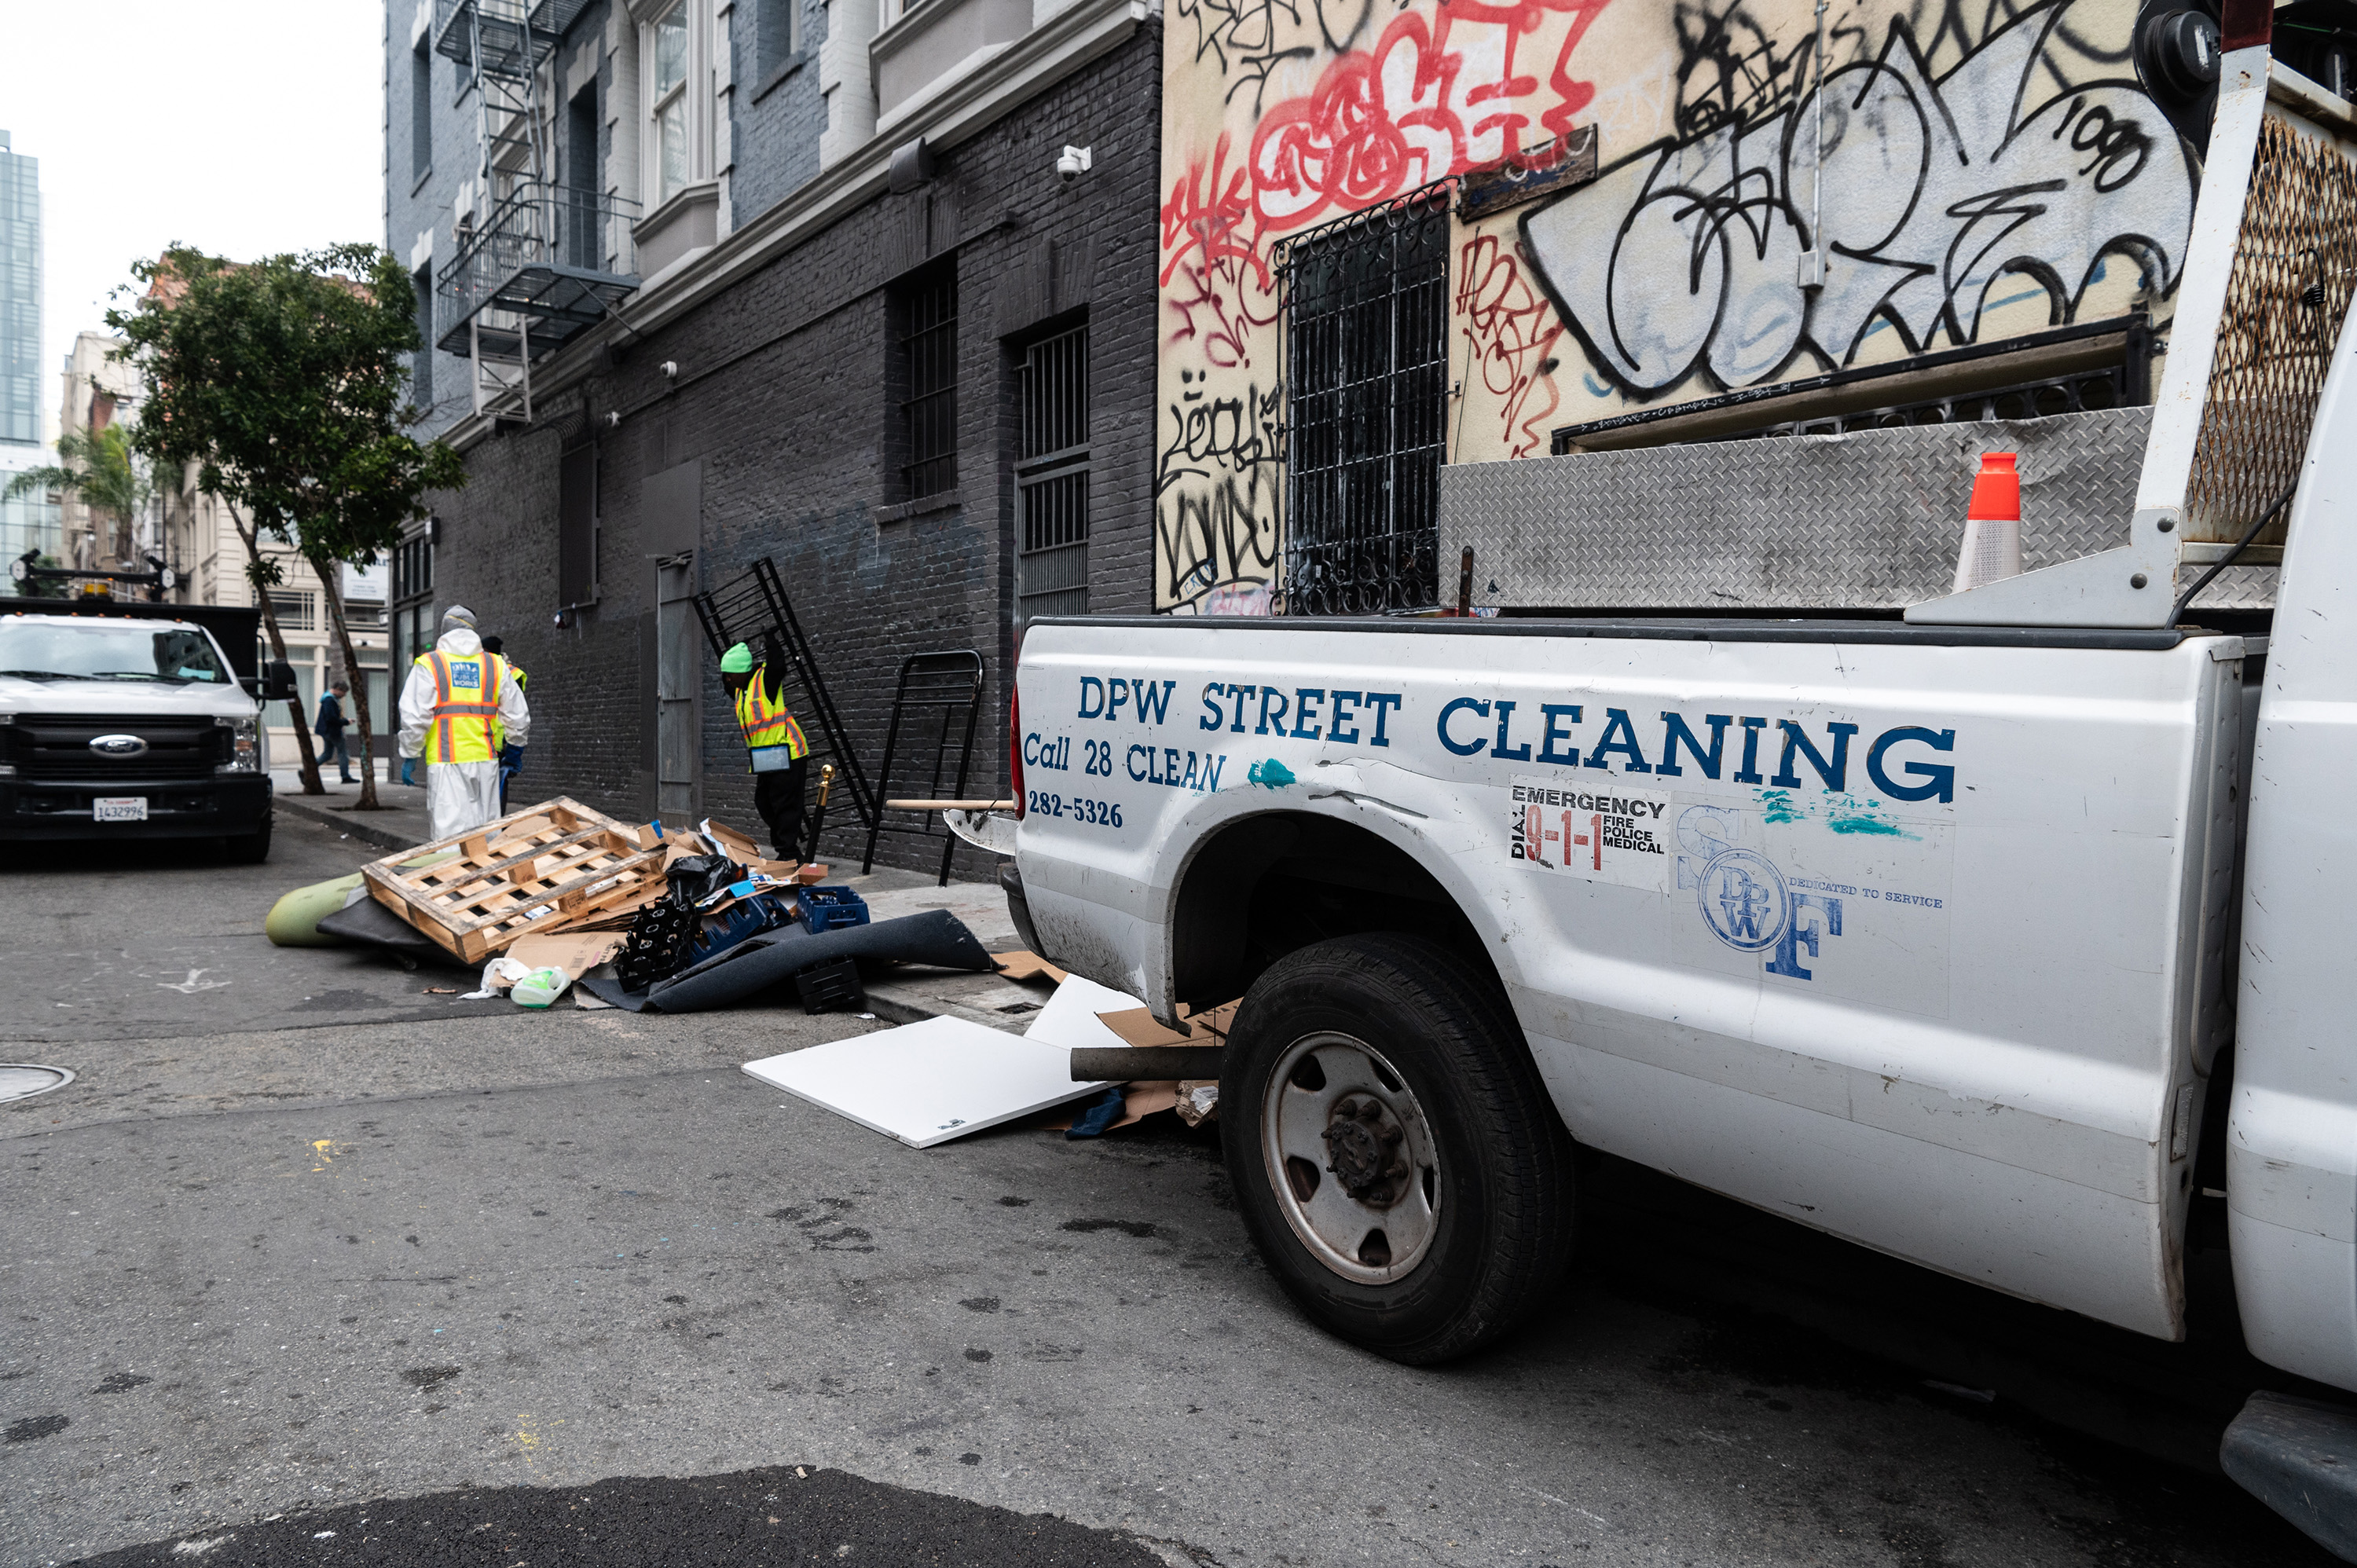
{"x":924,"y":312}
{"x":1366,"y":302}
{"x":1052,"y":478}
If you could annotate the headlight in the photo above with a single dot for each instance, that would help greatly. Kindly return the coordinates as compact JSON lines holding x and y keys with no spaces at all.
{"x":244,"y":744}
{"x":7,"y":769}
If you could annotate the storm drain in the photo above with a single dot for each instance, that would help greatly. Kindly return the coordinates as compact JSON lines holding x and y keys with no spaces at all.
{"x":21,"y":1080}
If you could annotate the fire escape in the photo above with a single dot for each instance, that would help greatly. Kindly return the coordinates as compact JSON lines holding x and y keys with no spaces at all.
{"x":541,"y":259}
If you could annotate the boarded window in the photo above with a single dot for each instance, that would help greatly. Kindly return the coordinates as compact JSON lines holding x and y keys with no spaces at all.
{"x":576,"y":526}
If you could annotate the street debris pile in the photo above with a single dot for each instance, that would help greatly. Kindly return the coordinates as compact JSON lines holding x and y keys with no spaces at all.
{"x":557,"y":899}
{"x":639,"y":917}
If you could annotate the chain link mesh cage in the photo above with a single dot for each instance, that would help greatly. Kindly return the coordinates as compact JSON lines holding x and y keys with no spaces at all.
{"x":2295,"y":269}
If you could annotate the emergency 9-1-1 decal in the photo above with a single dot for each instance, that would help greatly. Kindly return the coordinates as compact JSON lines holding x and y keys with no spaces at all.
{"x":1616,"y":835}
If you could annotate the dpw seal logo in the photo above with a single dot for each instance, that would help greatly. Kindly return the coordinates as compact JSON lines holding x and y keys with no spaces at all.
{"x":1744,"y":899}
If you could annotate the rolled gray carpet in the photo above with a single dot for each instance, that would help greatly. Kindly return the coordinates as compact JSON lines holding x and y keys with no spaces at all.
{"x":936,"y":938}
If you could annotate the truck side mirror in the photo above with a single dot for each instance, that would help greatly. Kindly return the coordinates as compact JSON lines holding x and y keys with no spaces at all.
{"x":279,"y":681}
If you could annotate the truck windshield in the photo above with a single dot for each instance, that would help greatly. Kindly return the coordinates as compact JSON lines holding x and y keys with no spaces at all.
{"x":106,"y":650}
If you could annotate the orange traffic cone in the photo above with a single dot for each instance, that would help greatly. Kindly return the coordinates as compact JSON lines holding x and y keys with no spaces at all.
{"x":1992,"y":547}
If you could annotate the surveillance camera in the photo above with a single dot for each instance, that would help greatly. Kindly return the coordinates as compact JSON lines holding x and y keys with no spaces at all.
{"x":671,"y":369}
{"x":1072,"y":163}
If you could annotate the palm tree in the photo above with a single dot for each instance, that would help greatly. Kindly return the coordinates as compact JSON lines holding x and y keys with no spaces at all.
{"x":97,"y":467}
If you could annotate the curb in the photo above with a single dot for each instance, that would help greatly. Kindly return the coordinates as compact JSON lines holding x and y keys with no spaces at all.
{"x":349,"y":821}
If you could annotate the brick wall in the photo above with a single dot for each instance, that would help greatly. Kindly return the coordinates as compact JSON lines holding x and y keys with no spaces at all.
{"x":780,"y":398}
{"x":776,"y":115}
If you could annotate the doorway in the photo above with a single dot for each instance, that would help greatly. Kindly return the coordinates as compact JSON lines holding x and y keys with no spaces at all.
{"x":679,"y":681}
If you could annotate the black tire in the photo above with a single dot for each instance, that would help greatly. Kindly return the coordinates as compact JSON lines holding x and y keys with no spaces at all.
{"x":249,"y":849}
{"x":1496,"y":1234}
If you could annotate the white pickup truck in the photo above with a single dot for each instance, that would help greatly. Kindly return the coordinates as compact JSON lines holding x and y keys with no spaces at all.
{"x":1993,"y":938}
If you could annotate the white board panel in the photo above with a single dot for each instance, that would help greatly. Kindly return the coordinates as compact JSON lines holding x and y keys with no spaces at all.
{"x":1069,"y":1019}
{"x":927,"y":1083}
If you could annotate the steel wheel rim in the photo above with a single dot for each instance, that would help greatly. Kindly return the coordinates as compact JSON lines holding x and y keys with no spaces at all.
{"x":1321,"y":1137}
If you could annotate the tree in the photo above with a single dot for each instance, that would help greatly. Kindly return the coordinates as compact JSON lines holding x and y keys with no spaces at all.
{"x":98,"y":467}
{"x":285,"y":383}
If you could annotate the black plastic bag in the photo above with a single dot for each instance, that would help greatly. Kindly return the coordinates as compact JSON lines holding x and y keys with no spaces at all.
{"x":695,"y":877}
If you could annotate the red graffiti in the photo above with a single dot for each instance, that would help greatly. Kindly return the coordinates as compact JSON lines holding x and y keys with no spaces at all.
{"x":1214,"y":310}
{"x":1512,"y":331}
{"x":1210,"y":213}
{"x":1408,"y":111}
{"x":1214,"y":264}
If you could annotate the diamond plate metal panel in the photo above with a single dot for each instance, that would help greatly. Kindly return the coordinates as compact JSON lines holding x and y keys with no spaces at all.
{"x":1869,"y":519}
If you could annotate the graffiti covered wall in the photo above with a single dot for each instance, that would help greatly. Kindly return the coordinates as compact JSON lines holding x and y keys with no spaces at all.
{"x":1968,"y":170}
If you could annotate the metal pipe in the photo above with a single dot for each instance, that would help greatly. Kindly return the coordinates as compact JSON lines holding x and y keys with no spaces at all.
{"x":1133,"y":1064}
{"x":1817,"y":179}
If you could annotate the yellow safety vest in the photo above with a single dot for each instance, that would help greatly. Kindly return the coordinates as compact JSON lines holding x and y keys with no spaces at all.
{"x":498,"y":729}
{"x":771,"y":737}
{"x":465,"y":722}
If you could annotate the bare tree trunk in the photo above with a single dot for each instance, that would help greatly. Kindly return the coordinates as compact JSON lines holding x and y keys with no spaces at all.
{"x":357,"y":676}
{"x":311,"y":784}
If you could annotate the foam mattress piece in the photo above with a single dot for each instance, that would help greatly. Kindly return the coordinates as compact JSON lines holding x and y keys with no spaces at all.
{"x":930,"y":1082}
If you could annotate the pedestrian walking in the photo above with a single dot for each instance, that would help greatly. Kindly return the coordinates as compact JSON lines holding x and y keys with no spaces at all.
{"x":333,"y":744}
{"x":456,"y":705}
{"x":511,"y":752}
{"x":779,"y":756}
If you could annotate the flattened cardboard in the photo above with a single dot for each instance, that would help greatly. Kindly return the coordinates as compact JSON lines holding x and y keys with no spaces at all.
{"x":1024,"y":965}
{"x":575,"y":952}
{"x":729,"y":842}
{"x":1136,"y":1026}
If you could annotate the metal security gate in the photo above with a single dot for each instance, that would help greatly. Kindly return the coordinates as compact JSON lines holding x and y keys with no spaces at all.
{"x":1051,"y":479}
{"x":1366,"y":345}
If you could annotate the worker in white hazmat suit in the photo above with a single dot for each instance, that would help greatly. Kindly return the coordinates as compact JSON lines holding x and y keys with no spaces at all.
{"x":455,"y":708}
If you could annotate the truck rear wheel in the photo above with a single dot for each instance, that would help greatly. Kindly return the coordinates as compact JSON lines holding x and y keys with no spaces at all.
{"x":1398,"y":1161}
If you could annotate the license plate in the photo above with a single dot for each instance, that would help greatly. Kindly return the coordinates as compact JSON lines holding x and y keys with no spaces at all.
{"x":119,"y":808}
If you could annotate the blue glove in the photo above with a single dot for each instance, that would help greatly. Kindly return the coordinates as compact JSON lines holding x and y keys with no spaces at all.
{"x":408,"y":770}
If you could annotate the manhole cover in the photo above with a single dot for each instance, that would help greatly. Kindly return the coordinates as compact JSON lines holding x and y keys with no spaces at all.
{"x":19,"y":1080}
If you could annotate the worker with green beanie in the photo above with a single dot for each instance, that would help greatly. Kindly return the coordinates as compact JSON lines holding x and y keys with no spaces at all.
{"x":780,"y":756}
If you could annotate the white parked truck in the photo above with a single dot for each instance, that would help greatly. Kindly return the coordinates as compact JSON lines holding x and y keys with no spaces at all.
{"x":131,"y":721}
{"x":1961,"y":935}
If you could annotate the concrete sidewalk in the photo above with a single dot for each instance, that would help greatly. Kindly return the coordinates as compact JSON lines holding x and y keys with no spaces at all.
{"x":400,"y":825}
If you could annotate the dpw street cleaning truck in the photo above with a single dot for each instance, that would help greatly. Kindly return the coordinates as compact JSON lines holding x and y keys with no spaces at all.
{"x":1998,"y":938}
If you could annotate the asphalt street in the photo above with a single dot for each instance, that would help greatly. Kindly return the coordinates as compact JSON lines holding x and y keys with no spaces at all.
{"x":313,"y":1263}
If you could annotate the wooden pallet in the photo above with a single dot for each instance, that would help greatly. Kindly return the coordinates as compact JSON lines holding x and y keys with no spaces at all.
{"x":544,"y":869}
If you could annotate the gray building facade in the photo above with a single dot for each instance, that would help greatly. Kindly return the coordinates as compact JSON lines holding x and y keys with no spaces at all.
{"x":842,"y":311}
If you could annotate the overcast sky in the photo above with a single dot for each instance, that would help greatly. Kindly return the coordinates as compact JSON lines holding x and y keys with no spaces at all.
{"x":242,"y":128}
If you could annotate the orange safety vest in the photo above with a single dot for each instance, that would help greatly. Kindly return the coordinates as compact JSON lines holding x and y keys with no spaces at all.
{"x":465,"y":722}
{"x":771,"y":735}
